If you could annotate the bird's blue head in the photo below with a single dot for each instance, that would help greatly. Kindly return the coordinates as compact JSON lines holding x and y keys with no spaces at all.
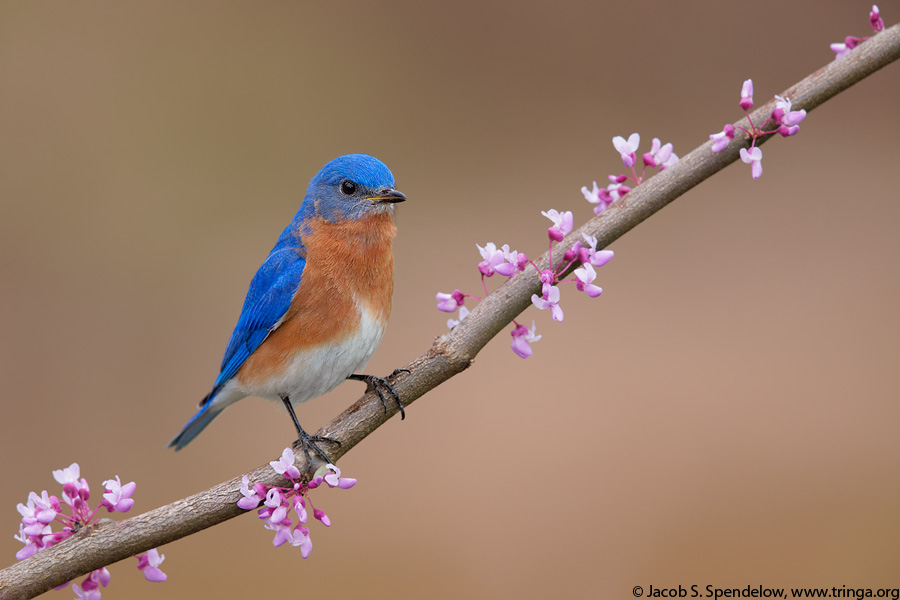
{"x":350,"y":187}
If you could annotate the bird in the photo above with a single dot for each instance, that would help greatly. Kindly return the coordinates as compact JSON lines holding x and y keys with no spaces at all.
{"x":318,"y":306}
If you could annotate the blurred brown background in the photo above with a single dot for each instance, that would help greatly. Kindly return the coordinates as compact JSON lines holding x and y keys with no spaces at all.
{"x":725,"y":414}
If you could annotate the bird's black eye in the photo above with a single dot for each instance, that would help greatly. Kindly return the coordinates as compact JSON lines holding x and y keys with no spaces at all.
{"x":348,"y":188}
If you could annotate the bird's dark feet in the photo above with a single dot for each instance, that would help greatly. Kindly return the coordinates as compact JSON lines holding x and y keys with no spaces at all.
{"x":383,"y":388}
{"x":306,"y":441}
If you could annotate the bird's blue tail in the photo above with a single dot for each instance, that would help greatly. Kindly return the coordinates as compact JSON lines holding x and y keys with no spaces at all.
{"x":207,"y":413}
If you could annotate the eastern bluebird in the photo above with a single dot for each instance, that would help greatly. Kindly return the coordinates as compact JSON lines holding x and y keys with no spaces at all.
{"x":318,"y":306}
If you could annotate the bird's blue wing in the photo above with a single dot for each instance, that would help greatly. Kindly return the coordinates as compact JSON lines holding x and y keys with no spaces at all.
{"x":268,"y":299}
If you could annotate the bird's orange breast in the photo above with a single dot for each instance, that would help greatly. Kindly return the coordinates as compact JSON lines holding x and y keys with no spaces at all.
{"x":349,"y":268}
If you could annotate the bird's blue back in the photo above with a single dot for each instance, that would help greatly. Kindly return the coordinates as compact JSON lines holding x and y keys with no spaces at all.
{"x":268,"y":299}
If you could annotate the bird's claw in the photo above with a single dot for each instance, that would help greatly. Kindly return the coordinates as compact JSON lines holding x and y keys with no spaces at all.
{"x":382,"y":387}
{"x":307,"y":442}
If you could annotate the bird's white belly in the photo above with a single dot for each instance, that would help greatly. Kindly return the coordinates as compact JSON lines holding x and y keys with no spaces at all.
{"x":313,"y":372}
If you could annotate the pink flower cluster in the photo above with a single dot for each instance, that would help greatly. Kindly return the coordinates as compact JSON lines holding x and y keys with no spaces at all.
{"x":278,"y":502}
{"x":660,"y":156}
{"x":786,"y":121}
{"x":851,"y":42}
{"x":74,"y":513}
{"x":508,"y":262}
{"x":589,"y":257}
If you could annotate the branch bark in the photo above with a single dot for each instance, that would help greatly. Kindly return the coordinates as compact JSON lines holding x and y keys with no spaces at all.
{"x":109,"y":541}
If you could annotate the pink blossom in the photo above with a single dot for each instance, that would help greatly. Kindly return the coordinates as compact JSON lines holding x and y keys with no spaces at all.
{"x":875,"y":19}
{"x":839,"y":49}
{"x":494,"y":261}
{"x":70,"y":474}
{"x":673,"y":158}
{"x":45,"y":538}
{"x":517,"y":259}
{"x":118,"y":496}
{"x":74,"y":486}
{"x":513,"y":259}
{"x":301,"y":538}
{"x":584,"y":253}
{"x":28,"y":551}
{"x":721,"y":139}
{"x":101,"y":576}
{"x":563,"y":223}
{"x":754,"y":159}
{"x":274,"y":501}
{"x":850,"y":42}
{"x":90,"y":587}
{"x":590,"y":254}
{"x":82,"y":594}
{"x":149,"y":565}
{"x":783,"y":114}
{"x":660,"y":155}
{"x":450,"y":302}
{"x":592,"y":195}
{"x":446,"y":302}
{"x":251,"y":499}
{"x":51,"y":538}
{"x":39,"y":511}
{"x":285,"y":465}
{"x":300,"y":508}
{"x":334,"y":479}
{"x":30,"y":548}
{"x":747,"y":95}
{"x":522,"y":337}
{"x":284,"y":534}
{"x":549,"y":299}
{"x":786,"y":131}
{"x":627,"y":149}
{"x":521,"y":261}
{"x":601,"y":257}
{"x":29,"y":517}
{"x":599,"y":196}
{"x":586,"y":275}
{"x":282,"y":531}
{"x":463,"y":313}
{"x":616,"y":189}
{"x":615,"y":192}
{"x":320,"y":515}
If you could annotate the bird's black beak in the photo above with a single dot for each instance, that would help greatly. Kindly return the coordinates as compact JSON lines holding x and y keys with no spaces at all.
{"x":388,"y":195}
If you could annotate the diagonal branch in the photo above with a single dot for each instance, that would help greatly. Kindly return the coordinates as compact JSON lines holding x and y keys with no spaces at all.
{"x":108,"y":542}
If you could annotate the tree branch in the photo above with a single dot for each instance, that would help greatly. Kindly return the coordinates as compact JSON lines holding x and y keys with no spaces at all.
{"x":108,"y":541}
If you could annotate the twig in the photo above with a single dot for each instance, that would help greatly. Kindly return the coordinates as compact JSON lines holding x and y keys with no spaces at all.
{"x":109,"y":542}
